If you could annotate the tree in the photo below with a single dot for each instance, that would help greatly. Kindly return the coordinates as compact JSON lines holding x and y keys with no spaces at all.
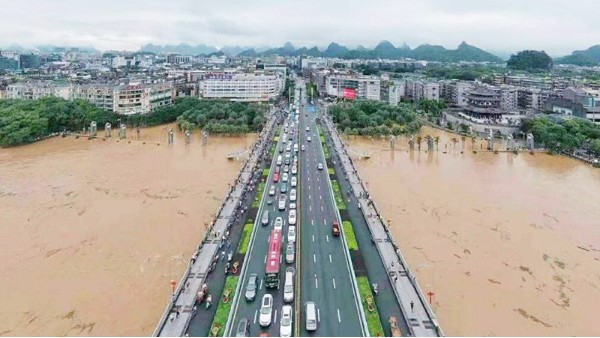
{"x":530,"y":60}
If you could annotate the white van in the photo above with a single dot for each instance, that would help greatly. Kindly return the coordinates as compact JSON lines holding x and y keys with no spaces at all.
{"x":311,"y":316}
{"x":288,"y":287}
{"x":296,"y":147}
{"x":279,"y":159}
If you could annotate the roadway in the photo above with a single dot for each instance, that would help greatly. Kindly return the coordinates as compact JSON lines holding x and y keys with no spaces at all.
{"x":326,"y":277}
{"x":257,"y":255}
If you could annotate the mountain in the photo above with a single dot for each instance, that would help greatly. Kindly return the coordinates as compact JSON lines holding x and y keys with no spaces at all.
{"x":386,"y":50}
{"x":466,"y":52}
{"x":588,"y":57}
{"x":247,"y":53}
{"x":335,"y":51}
{"x":182,"y":48}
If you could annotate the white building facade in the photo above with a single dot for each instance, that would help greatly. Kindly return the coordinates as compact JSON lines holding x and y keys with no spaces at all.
{"x":242,"y":87}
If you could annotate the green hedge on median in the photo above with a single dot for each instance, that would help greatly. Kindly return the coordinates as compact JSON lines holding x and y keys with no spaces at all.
{"x":337,"y":193}
{"x":373,"y":319}
{"x":246,"y":234}
{"x":217,"y":328}
{"x":350,"y":236}
{"x":261,"y":191}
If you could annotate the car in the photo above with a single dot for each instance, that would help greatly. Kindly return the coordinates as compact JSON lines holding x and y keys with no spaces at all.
{"x":311,"y":316}
{"x":290,"y":253}
{"x":292,"y":232}
{"x":285,"y":325}
{"x":265,"y":217}
{"x":308,"y":139}
{"x":296,"y":147}
{"x":335,"y":228}
{"x":303,"y":148}
{"x":266,"y":310}
{"x":283,"y":188}
{"x":294,"y":170}
{"x":281,"y":149}
{"x":278,"y":169}
{"x":292,"y":205}
{"x":288,"y":148}
{"x":295,"y":160}
{"x":243,"y":328}
{"x":286,"y":168}
{"x":272,"y":191}
{"x":275,"y":177}
{"x":288,"y":286}
{"x":278,"y":223}
{"x":281,"y":204}
{"x":293,"y":195}
{"x":320,"y":166}
{"x":294,"y":181}
{"x":292,"y":217}
{"x":307,"y":129}
{"x":251,"y":287}
{"x":285,"y":177}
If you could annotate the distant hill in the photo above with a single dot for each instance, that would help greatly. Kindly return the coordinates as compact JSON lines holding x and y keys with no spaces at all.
{"x":530,"y":60}
{"x":588,"y":57}
{"x":383,"y":50}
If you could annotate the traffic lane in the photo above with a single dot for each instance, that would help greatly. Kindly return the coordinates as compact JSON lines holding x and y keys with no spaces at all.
{"x":245,"y":309}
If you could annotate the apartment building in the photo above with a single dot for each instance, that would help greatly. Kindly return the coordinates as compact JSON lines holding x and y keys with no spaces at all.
{"x":100,"y":95}
{"x":137,"y":98}
{"x":37,"y":90}
{"x":350,"y":86}
{"x":396,"y":92}
{"x":241,"y":87}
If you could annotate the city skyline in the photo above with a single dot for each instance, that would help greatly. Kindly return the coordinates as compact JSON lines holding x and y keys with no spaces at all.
{"x":553,"y":26}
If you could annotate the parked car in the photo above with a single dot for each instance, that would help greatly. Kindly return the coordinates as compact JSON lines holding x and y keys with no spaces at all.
{"x":266,"y":310}
{"x":251,"y":287}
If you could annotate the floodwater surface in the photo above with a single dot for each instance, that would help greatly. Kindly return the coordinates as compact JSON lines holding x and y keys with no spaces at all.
{"x":509,"y":244}
{"x":92,"y":231}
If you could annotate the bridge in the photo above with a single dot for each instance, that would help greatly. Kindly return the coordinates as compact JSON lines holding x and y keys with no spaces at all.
{"x":357,"y":278}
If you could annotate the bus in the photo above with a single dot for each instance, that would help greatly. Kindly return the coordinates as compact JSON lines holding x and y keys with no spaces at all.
{"x":273,"y":260}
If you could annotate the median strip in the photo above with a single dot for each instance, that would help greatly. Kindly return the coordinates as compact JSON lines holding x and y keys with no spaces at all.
{"x":261,"y":191}
{"x":368,"y":301}
{"x":337,"y":192}
{"x":246,"y":234}
{"x":217,"y":328}
{"x":350,"y":236}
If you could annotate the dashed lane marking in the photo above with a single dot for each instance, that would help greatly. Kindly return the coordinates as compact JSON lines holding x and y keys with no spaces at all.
{"x":338,"y":311}
{"x":330,"y":259}
{"x":333,"y":282}
{"x":314,"y":258}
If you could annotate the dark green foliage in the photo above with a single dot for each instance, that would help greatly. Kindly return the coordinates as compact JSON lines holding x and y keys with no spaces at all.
{"x":530,"y":60}
{"x":567,"y":135}
{"x":220,"y":116}
{"x":375,"y":118}
{"x":588,"y":57}
{"x":461,"y":73}
{"x":432,"y":107}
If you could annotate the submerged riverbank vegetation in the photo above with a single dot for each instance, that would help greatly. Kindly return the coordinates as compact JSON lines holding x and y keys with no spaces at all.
{"x":372,"y":118}
{"x":26,"y":121}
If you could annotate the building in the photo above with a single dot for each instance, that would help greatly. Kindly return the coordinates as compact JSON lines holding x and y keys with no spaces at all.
{"x":396,"y":92}
{"x":8,"y":63}
{"x":37,"y":90}
{"x":354,"y":87}
{"x":459,"y":93}
{"x":308,"y":63}
{"x":137,"y":98}
{"x":241,"y":87}
{"x":177,"y":59}
{"x":29,"y":61}
{"x":100,"y":95}
{"x":431,"y":91}
{"x":509,"y":98}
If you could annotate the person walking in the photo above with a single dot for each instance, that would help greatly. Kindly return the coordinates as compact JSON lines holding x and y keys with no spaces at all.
{"x":412,"y":306}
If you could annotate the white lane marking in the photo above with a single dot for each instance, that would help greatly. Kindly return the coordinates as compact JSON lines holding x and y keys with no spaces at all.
{"x":326,"y":237}
{"x":320,"y":197}
{"x":309,"y":197}
{"x":339,"y":318}
{"x":317,"y":178}
{"x":313,"y":238}
{"x":309,"y":208}
{"x":312,"y":222}
{"x":265,"y":259}
{"x":308,"y":178}
{"x":333,"y":283}
{"x":319,"y":187}
{"x":318,"y":315}
{"x":309,"y":187}
{"x":280,"y":259}
{"x":269,"y":239}
{"x":330,"y":258}
{"x":275,"y":321}
{"x":316,"y":283}
{"x":314,"y":258}
{"x":255,"y":315}
{"x":324,"y":222}
{"x":321,"y":208}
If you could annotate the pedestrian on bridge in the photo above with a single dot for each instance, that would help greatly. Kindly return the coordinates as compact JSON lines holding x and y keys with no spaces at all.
{"x":412,"y":306}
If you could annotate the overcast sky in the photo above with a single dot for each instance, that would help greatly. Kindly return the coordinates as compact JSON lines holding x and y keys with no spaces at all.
{"x":556,"y":26}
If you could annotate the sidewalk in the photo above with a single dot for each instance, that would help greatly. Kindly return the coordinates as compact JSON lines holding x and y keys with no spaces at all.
{"x":420,"y":317}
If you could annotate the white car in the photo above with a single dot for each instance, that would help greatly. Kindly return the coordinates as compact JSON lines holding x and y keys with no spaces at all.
{"x":266,"y":310}
{"x":307,"y":129}
{"x":286,"y":168}
{"x":284,"y":178}
{"x":278,"y":223}
{"x":281,"y":204}
{"x":292,"y":233}
{"x":292,"y":217}
{"x":294,"y":170}
{"x":293,"y":195}
{"x":294,"y":183}
{"x":303,"y":147}
{"x":319,"y":166}
{"x":309,"y":139}
{"x":292,"y":206}
{"x":272,"y":191}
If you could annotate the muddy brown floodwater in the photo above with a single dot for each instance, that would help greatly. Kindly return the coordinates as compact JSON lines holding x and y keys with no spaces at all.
{"x":509,"y":244}
{"x":92,"y":231}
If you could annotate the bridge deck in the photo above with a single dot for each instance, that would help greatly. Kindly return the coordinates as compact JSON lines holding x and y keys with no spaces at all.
{"x":421,"y":318}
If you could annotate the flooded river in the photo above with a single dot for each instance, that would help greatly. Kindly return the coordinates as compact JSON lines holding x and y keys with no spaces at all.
{"x":93,"y":231}
{"x":509,"y":244}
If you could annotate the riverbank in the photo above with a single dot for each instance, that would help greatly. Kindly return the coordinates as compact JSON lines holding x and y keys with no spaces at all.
{"x":95,"y":230}
{"x":509,"y":244}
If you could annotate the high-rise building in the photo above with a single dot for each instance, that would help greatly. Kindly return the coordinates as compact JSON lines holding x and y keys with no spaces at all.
{"x":241,"y":87}
{"x":352,"y":87}
{"x":29,"y":61}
